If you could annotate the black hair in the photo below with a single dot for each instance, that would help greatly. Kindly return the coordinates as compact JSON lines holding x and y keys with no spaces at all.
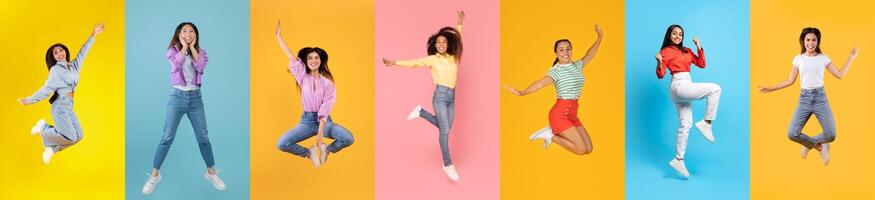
{"x":454,"y":42}
{"x":556,"y":45}
{"x":323,"y":66}
{"x":174,"y":41}
{"x":666,"y":42}
{"x":806,"y":31}
{"x":50,"y":61}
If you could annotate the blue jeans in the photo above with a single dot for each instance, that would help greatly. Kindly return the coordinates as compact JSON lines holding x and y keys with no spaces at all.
{"x":187,"y":103}
{"x":67,"y":130}
{"x":444,"y":103}
{"x":307,"y":128}
{"x":812,"y":101}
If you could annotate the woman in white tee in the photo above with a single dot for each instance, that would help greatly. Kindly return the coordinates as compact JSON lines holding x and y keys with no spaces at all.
{"x":809,"y":65}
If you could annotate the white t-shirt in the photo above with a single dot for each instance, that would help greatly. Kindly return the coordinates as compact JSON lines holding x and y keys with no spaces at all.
{"x":188,"y":75}
{"x":811,"y":69}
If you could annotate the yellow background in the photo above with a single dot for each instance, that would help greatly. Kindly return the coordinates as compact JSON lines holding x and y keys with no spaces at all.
{"x":528,"y":31}
{"x":777,"y":171}
{"x":345,"y":29}
{"x":93,"y":168}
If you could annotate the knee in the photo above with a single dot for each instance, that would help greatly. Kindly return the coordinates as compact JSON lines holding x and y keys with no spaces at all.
{"x":346,"y":141}
{"x":281,"y":145}
{"x":582,"y":150}
{"x":830,"y":136}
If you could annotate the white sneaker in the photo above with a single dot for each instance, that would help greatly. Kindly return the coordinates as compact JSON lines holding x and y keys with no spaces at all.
{"x":38,"y":128}
{"x":705,"y":129}
{"x":824,"y":153}
{"x":451,"y":172}
{"x":804,"y":152}
{"x":679,"y":166}
{"x":323,"y":153}
{"x":150,"y":183}
{"x":545,"y":133}
{"x":47,"y":155}
{"x":415,"y":113}
{"x":215,"y":180}
{"x":314,"y":156}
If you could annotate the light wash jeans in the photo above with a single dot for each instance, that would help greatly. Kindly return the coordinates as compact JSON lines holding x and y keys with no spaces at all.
{"x":187,"y":103}
{"x":812,"y":101}
{"x":443,"y":100}
{"x":307,"y":128}
{"x":67,"y":130}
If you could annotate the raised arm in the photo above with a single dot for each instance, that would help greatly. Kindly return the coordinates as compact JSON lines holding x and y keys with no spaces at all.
{"x":80,"y":57}
{"x":790,"y":80}
{"x":660,"y":66}
{"x":532,"y":88}
{"x":279,"y":39}
{"x":460,"y":19}
{"x":594,"y":48}
{"x":841,"y":73}
{"x":413,"y":63}
{"x":699,"y":57}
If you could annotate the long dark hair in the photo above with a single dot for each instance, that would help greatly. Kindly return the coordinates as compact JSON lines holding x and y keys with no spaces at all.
{"x":174,"y":41}
{"x":323,"y":66}
{"x":50,"y":61}
{"x":666,"y":42}
{"x":806,"y":31}
{"x":556,"y":45}
{"x":454,"y":42}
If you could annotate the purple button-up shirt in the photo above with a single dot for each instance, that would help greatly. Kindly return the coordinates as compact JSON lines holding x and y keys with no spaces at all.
{"x":177,"y":60}
{"x":317,"y":94}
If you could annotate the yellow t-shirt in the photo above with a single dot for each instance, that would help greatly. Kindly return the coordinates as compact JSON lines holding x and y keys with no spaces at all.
{"x":443,"y":68}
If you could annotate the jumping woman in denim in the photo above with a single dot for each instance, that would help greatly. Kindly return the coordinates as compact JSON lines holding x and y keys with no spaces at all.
{"x":675,"y":58}
{"x":444,"y":52}
{"x":567,"y":76}
{"x":809,"y":65}
{"x":316,"y":85}
{"x":187,"y":64}
{"x":61,"y":84}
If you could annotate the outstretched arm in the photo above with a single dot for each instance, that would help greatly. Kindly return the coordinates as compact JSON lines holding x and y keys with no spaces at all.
{"x":790,"y":80}
{"x":841,"y":73}
{"x":594,"y":48}
{"x":534,"y":87}
{"x":279,"y":39}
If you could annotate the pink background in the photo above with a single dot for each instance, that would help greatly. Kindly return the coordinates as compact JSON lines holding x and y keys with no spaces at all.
{"x":408,"y":160}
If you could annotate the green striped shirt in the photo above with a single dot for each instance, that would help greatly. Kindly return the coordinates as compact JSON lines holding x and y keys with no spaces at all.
{"x":568,"y":79}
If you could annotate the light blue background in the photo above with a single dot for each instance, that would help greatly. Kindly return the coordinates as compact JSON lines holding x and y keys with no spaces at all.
{"x":717,"y":171}
{"x":224,"y":34}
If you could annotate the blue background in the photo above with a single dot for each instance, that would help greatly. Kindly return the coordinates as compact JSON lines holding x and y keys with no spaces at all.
{"x":717,"y":171}
{"x":224,"y":34}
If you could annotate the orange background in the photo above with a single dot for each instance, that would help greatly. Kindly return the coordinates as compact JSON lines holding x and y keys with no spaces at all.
{"x":345,"y":29}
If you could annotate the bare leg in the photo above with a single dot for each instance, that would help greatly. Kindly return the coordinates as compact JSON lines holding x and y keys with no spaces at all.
{"x":571,"y":140}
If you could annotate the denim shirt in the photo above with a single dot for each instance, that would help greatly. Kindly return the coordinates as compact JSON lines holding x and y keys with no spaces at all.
{"x":63,"y":76}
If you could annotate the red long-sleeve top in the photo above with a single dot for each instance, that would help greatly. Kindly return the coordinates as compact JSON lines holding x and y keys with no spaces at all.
{"x":679,"y":61}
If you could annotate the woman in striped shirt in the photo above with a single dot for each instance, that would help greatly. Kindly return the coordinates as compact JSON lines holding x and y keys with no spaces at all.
{"x":567,"y":76}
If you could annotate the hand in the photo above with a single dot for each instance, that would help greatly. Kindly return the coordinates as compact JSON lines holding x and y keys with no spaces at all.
{"x":854,"y":52}
{"x":278,"y":29}
{"x":461,"y":14}
{"x":388,"y":62}
{"x":22,"y":101}
{"x":513,"y":90}
{"x":598,"y":30}
{"x":764,"y":89}
{"x":182,"y":41}
{"x":98,"y":29}
{"x":696,"y":41}
{"x":193,"y":41}
{"x":659,"y":57}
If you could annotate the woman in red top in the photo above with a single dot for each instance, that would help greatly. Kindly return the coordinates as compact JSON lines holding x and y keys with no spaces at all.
{"x":676,"y":58}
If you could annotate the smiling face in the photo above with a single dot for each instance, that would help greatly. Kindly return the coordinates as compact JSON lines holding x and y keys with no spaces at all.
{"x":563,"y":52}
{"x":59,"y":54}
{"x":313,"y":61}
{"x":441,"y":44}
{"x":810,"y":43}
{"x":187,"y":34}
{"x":677,"y":35}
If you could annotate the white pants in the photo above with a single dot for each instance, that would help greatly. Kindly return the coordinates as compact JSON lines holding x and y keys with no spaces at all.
{"x":683,"y":92}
